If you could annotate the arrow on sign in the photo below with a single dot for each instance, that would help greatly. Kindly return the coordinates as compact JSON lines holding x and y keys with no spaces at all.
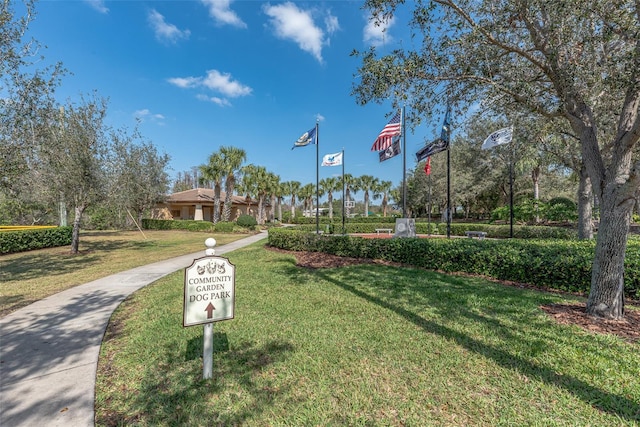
{"x":209,"y":310}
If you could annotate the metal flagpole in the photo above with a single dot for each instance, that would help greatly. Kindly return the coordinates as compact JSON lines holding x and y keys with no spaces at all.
{"x":404,"y":165}
{"x":448,"y":136}
{"x":449,"y":191}
{"x":344,"y":231}
{"x":317,"y":179}
{"x":511,"y":188}
{"x":429,"y":206}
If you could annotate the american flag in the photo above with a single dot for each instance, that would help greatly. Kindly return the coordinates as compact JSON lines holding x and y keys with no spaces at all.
{"x":385,"y":139}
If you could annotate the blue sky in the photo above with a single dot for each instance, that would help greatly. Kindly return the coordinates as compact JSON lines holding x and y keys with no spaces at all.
{"x":251,"y":74}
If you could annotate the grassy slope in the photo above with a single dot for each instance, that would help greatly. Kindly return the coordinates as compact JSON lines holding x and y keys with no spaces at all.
{"x":362,"y":345}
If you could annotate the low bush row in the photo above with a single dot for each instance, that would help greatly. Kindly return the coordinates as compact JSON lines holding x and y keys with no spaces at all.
{"x":39,"y":238}
{"x":205,"y":226}
{"x":457,"y":229}
{"x":557,"y":264}
{"x":177,"y":224}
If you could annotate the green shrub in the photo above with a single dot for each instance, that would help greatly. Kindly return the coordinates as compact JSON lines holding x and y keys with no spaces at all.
{"x":558,"y":264}
{"x":224,"y":227}
{"x":561,"y":209}
{"x":246,"y":221}
{"x":27,"y":240}
{"x":177,"y":224}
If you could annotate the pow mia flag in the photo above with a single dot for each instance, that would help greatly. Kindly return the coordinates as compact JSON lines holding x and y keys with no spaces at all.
{"x":432,"y":148}
{"x":391,"y":151}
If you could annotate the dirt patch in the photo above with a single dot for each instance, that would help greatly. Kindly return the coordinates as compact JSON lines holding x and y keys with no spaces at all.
{"x":575,"y":314}
{"x":566,"y":314}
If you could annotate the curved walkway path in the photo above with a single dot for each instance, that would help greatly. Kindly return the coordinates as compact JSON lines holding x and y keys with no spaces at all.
{"x":49,"y":349}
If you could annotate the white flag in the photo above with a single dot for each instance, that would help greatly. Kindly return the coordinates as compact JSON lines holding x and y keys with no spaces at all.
{"x":332,"y":159}
{"x":499,"y":137}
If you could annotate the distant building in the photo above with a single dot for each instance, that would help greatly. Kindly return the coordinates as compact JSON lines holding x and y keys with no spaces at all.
{"x":197,"y":204}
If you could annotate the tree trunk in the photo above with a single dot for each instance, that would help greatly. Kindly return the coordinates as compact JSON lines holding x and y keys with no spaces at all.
{"x":330,"y":199}
{"x":216,"y":203}
{"x":261,"y":213}
{"x":606,"y":297}
{"x":585,"y":214}
{"x":272,"y":211}
{"x":75,"y":234}
{"x":366,"y":204}
{"x":616,"y":186}
{"x":535,"y":177}
{"x":228,"y":194}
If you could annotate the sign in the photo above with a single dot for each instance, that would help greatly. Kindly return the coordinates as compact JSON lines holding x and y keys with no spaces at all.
{"x":405,"y":227}
{"x":209,"y":291}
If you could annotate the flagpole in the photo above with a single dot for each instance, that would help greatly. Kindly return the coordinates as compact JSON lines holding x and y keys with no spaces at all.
{"x":448,"y":136}
{"x":449,"y":191}
{"x":317,"y":179}
{"x":511,"y":188}
{"x":344,"y":231}
{"x":404,"y":165}
{"x":429,"y":207}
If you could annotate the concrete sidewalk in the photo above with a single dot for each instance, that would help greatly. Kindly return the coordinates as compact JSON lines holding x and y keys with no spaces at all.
{"x":49,"y":349}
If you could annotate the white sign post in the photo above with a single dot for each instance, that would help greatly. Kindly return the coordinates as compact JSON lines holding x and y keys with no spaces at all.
{"x":209,"y":296}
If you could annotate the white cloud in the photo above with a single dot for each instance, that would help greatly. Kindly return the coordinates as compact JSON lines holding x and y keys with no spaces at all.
{"x":220,"y":11}
{"x":145,"y":114}
{"x":376,"y":32}
{"x":215,"y":81}
{"x":291,"y":23}
{"x":165,"y":32}
{"x":331,"y":24}
{"x":223,"y":83}
{"x":185,"y":82}
{"x":216,"y":100}
{"x":98,"y":5}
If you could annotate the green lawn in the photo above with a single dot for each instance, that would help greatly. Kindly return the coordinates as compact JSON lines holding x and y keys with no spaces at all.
{"x":27,"y":277}
{"x":366,"y":345}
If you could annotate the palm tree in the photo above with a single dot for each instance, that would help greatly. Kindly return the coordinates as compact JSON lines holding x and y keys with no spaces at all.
{"x":350,"y":184}
{"x":306,"y":194}
{"x":383,"y":189}
{"x":232,"y":159}
{"x":257,"y":181}
{"x":367,"y":183}
{"x":273,"y":189}
{"x":279,"y":192}
{"x":213,"y":172}
{"x":329,"y":185}
{"x":291,"y":189}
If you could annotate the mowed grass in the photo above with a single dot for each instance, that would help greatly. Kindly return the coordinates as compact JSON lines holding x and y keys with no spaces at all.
{"x":366,"y":345}
{"x":27,"y":277}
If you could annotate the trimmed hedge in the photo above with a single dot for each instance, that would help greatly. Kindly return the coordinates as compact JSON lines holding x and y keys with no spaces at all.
{"x":27,"y":240}
{"x":177,"y":224}
{"x":457,"y":229}
{"x":556,"y":264}
{"x":246,"y":221}
{"x":224,"y":227}
{"x":338,"y":220}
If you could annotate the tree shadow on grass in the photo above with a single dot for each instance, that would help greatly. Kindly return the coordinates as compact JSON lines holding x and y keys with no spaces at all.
{"x":168,"y":399}
{"x":395,"y":301}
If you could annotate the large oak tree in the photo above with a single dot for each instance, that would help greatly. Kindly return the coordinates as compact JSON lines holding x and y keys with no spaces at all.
{"x":574,"y":60}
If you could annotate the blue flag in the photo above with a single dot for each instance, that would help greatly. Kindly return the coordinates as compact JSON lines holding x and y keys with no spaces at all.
{"x":309,"y":137}
{"x":445,"y":134}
